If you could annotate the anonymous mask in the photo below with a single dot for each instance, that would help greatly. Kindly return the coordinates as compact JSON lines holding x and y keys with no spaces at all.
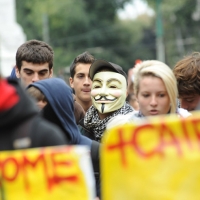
{"x":108,"y":91}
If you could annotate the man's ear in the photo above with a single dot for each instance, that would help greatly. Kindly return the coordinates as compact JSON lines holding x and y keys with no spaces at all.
{"x":51,"y":73}
{"x":17,"y":72}
{"x":71,"y":82}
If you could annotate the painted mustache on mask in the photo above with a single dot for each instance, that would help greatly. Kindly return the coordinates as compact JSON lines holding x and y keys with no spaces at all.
{"x":102,"y":107}
{"x":103,"y":104}
{"x":104,"y":98}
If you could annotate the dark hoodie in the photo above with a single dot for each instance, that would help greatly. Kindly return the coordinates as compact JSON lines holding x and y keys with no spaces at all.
{"x":60,"y":110}
{"x":22,"y":120}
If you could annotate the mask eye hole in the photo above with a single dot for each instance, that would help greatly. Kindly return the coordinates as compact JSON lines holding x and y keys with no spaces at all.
{"x":95,"y":87}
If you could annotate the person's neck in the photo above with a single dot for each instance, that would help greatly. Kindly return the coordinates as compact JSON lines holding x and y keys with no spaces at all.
{"x":85,"y":105}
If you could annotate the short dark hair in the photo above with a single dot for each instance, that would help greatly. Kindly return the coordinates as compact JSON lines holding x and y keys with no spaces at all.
{"x":35,"y":51}
{"x":85,"y":57}
{"x":187,"y":73}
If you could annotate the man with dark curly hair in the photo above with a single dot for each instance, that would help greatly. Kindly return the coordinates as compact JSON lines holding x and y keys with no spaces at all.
{"x":187,"y":73}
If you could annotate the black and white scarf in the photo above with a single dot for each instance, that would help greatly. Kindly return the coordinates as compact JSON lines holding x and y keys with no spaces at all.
{"x":97,"y":126}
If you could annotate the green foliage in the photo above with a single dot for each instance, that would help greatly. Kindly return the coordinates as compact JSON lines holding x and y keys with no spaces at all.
{"x":79,"y":25}
{"x":181,"y":29}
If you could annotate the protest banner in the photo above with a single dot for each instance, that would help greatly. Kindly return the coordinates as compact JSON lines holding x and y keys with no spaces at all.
{"x":158,"y":159}
{"x":63,"y":172}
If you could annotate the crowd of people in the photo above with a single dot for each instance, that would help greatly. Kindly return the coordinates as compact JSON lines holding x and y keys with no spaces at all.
{"x":45,"y":111}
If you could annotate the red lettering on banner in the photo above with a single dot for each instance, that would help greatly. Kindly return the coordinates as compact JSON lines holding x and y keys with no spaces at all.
{"x":136,"y":145}
{"x":26,"y":162}
{"x":166,"y":138}
{"x":120,"y":145}
{"x":195,"y":124}
{"x":166,"y":131}
{"x":21,"y":164}
{"x":9,"y":161}
{"x":185,"y":133}
{"x":55,"y":179}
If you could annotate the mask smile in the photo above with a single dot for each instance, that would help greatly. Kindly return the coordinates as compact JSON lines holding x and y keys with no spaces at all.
{"x":104,"y":99}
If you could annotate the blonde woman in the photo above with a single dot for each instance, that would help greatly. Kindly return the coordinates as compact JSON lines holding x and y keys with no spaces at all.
{"x":155,"y":88}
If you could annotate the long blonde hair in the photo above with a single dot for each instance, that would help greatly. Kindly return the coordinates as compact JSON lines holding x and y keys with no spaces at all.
{"x":161,"y":70}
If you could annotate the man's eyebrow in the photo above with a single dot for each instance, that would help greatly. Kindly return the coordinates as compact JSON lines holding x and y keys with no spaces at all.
{"x":30,"y":70}
{"x":80,"y":73}
{"x":27,"y":69}
{"x":44,"y":70}
{"x":113,"y":79}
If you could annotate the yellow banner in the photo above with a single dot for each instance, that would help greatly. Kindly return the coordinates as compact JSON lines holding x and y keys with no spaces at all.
{"x":46,"y":174}
{"x":157,"y":160}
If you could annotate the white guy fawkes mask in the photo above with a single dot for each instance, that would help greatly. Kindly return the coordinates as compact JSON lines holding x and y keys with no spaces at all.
{"x":109,"y":91}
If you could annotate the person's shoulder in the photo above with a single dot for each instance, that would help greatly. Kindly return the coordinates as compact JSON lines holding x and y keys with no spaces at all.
{"x":79,"y":112}
{"x":183,"y":113}
{"x":48,"y":134}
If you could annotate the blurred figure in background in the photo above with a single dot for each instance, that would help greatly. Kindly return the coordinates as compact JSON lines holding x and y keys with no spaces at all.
{"x":187,"y":73}
{"x":133,"y":101}
{"x":131,"y":96}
